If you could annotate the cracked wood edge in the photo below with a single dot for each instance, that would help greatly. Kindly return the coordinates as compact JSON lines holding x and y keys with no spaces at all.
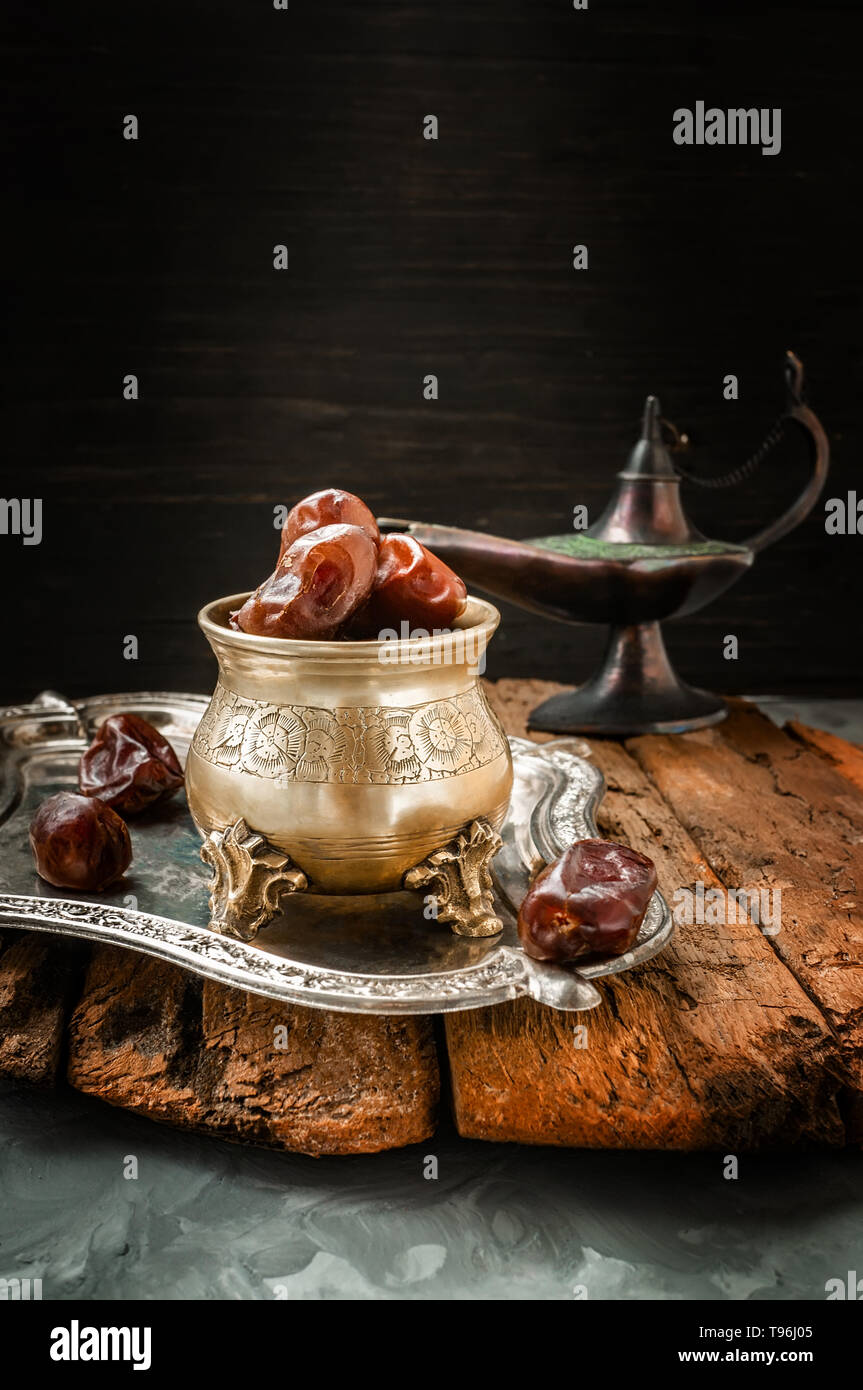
{"x":150,"y":1038}
{"x":768,"y":812}
{"x":845,"y":757}
{"x":40,"y":979}
{"x":713,"y":1044}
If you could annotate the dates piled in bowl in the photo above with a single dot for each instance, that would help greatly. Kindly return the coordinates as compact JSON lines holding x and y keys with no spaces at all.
{"x":336,"y":576}
{"x":348,"y":729}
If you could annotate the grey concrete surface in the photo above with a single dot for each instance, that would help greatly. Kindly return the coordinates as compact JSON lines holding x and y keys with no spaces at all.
{"x":210,"y":1220}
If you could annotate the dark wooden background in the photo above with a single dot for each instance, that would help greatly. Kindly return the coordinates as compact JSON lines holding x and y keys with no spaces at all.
{"x":408,"y":257}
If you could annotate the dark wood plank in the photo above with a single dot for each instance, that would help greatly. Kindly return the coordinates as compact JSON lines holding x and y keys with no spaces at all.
{"x":713,"y":1044}
{"x":150,"y":1038}
{"x":768,"y":813}
{"x":845,"y":757}
{"x":40,"y":978}
{"x":409,"y":257}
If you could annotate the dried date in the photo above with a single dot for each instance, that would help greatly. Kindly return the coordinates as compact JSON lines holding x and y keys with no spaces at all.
{"x":590,"y":901}
{"x":129,"y":765}
{"x":79,"y":842}
{"x":411,"y":585}
{"x":321,"y":580}
{"x":330,"y":507}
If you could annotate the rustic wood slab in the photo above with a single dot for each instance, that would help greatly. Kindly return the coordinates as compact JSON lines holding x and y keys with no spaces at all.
{"x":40,"y":978}
{"x":846,"y":757}
{"x":712,"y":1044}
{"x":731,"y":1039}
{"x":149,"y":1037}
{"x":767,"y":812}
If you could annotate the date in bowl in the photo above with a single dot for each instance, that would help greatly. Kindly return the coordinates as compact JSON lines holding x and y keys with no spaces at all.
{"x":357,"y":761}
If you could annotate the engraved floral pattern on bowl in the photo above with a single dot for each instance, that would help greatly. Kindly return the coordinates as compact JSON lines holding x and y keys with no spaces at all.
{"x":441,"y":737}
{"x":379,"y":744}
{"x":273,"y":742}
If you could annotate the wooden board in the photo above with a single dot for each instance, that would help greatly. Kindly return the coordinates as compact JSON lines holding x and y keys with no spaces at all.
{"x":797,"y":827}
{"x":40,"y":978}
{"x":150,"y":1038}
{"x":409,"y":257}
{"x":731,"y":1039}
{"x":712,"y":1044}
{"x":846,"y":757}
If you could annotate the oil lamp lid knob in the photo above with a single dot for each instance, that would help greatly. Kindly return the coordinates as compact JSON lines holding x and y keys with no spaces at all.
{"x":645,"y":508}
{"x":650,"y":458}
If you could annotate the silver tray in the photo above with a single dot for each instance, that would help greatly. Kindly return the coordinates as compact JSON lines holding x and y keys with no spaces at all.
{"x":357,"y":954}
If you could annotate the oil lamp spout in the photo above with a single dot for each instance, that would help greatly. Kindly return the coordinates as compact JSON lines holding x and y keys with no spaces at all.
{"x":555,"y":585}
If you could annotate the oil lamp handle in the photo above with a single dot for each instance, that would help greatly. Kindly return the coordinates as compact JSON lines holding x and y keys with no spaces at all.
{"x":798,"y":411}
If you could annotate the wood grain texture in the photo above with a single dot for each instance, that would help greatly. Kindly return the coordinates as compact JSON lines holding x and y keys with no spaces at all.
{"x":768,"y":813}
{"x":410,"y":257}
{"x":40,"y":979}
{"x":846,"y":757}
{"x":513,"y":701}
{"x":150,"y":1038}
{"x":711,"y":1045}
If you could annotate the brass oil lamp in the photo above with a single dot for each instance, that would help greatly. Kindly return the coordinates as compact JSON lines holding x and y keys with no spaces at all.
{"x":642,"y":562}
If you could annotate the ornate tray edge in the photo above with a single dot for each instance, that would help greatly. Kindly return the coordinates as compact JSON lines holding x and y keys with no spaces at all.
{"x":507,"y":975}
{"x":242,"y":967}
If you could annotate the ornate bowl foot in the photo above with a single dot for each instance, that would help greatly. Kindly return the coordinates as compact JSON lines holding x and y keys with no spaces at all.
{"x":250,"y":878}
{"x":460,"y":879}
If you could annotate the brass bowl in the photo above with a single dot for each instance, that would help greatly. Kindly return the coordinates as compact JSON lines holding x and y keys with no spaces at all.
{"x":355,"y":759}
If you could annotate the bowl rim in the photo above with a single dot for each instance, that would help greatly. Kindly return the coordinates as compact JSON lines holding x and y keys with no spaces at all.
{"x":483,"y":616}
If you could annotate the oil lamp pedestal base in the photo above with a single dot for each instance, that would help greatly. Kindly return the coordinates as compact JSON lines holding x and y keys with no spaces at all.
{"x":636,"y":691}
